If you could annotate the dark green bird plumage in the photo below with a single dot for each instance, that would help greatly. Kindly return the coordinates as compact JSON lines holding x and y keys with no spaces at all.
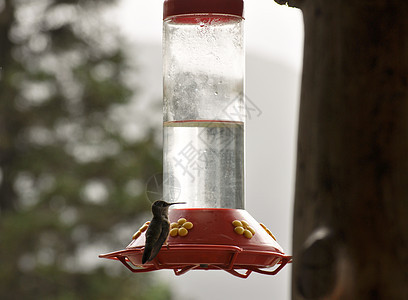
{"x":158,"y":230}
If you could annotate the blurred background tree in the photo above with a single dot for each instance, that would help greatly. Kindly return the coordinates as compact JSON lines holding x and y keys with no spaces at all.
{"x":70,"y":182}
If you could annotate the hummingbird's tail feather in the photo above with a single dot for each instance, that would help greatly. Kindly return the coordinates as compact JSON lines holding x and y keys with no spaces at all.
{"x":146,"y":254}
{"x":155,"y":251}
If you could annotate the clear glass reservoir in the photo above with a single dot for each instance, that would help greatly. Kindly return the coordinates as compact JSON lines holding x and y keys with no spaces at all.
{"x":204,"y":110}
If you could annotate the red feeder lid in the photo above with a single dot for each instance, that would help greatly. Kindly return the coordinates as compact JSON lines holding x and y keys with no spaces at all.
{"x":181,"y":7}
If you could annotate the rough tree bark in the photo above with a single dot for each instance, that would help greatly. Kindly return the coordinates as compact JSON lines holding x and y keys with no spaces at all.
{"x":351,"y":203}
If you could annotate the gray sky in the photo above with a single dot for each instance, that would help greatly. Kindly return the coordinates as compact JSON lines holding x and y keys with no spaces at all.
{"x":274,"y":38}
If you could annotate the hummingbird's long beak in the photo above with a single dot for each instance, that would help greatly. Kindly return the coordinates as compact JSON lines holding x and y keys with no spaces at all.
{"x":176,"y":203}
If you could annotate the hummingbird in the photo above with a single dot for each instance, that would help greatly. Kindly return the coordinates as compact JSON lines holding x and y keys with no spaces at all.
{"x":158,"y":230}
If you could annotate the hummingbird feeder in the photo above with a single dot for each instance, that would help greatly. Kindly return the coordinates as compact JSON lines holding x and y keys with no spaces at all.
{"x":203,"y":153}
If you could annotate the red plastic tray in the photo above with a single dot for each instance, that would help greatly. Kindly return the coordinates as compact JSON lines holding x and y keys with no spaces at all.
{"x":211,"y":244}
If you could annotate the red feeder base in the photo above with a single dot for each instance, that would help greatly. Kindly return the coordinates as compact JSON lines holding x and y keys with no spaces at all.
{"x":209,"y":239}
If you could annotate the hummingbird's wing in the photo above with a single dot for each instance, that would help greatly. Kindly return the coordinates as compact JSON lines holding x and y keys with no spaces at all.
{"x":165,"y":229}
{"x":152,"y":236}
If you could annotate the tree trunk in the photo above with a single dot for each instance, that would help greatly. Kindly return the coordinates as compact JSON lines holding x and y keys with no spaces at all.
{"x":351,"y":203}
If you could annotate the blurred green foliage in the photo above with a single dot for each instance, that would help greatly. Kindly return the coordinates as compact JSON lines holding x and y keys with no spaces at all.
{"x":70,"y":182}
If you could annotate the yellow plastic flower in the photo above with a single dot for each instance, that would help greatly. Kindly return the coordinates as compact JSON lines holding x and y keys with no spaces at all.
{"x":180,"y":228}
{"x":141,"y":229}
{"x":268,"y":231}
{"x":242,"y":228}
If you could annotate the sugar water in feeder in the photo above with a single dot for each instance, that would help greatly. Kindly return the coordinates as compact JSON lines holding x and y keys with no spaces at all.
{"x":204,"y":110}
